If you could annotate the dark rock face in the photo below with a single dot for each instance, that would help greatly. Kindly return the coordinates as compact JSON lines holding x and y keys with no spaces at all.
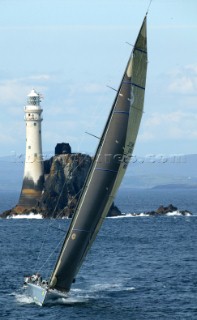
{"x":114,"y":211}
{"x":62,"y":148}
{"x":166,"y":210}
{"x":63,"y":184}
{"x":65,"y":175}
{"x":64,"y":181}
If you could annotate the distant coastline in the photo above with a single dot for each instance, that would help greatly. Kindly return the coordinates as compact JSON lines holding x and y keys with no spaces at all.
{"x":175,"y":186}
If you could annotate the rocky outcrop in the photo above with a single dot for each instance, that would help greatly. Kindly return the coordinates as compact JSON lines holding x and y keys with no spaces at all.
{"x":65,"y":175}
{"x":164,"y":211}
{"x":167,"y":210}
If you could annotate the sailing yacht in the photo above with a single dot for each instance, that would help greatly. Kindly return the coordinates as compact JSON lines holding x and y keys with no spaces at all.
{"x":104,"y":177}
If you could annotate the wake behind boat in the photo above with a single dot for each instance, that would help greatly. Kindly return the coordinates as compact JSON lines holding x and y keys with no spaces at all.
{"x":105,"y":175}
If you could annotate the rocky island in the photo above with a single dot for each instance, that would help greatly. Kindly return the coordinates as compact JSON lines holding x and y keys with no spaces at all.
{"x":64,"y":177}
{"x":164,"y":211}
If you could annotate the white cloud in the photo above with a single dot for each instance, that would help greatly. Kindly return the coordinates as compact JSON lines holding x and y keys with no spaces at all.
{"x":183,"y":85}
{"x":40,"y":77}
{"x":183,"y":80}
{"x":157,"y":119}
{"x":174,"y":126}
{"x":14,"y":91}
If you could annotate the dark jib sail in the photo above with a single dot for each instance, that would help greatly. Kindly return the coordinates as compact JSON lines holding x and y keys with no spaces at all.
{"x":109,"y":165}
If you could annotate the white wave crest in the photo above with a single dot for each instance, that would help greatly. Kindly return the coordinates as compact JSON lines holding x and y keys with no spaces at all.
{"x":68,"y":301}
{"x":130,"y":215}
{"x":27,"y":216}
{"x":143,"y":214}
{"x":24,"y":299}
{"x":178,"y":213}
{"x":130,"y":289}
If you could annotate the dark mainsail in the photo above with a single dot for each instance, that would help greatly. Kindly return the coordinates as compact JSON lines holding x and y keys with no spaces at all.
{"x":111,"y":159}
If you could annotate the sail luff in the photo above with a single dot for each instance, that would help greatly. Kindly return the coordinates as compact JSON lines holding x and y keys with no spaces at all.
{"x":134,"y":113}
{"x":108,"y":167}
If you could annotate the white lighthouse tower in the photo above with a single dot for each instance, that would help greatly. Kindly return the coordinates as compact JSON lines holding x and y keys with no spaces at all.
{"x":33,"y":172}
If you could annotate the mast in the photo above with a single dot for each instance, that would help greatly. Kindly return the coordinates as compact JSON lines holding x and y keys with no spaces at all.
{"x":110,"y":162}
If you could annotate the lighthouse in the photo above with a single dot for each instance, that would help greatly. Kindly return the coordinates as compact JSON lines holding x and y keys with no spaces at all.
{"x":33,"y":170}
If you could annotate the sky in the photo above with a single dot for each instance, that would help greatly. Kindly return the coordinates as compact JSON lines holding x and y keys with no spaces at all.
{"x":71,"y":50}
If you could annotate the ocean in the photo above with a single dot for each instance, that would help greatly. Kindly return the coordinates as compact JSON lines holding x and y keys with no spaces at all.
{"x":138,"y":268}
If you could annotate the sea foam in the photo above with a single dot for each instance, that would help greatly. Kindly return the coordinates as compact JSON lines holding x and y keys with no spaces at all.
{"x":27,"y":216}
{"x":143,"y":214}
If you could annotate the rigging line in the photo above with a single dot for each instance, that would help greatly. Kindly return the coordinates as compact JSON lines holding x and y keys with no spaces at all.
{"x":119,"y":93}
{"x":129,"y":44}
{"x":41,"y":248}
{"x":92,"y":135}
{"x":75,"y":197}
{"x":48,"y":227}
{"x":149,"y":7}
{"x":112,"y":88}
{"x":53,"y":221}
{"x":51,"y":254}
{"x":64,"y":186}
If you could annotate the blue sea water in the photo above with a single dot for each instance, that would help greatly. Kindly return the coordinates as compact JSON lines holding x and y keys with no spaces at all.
{"x":138,"y":268}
